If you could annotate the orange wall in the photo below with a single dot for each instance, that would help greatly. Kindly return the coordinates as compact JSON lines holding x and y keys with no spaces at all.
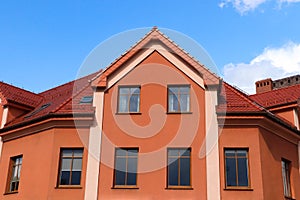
{"x":287,"y":114}
{"x":273,"y":149}
{"x":133,"y":131}
{"x":40,"y":164}
{"x":242,"y":137}
{"x":13,"y":113}
{"x":1,"y":113}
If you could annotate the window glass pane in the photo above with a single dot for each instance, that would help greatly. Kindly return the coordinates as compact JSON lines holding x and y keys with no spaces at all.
{"x":132,"y":152}
{"x":78,"y":152}
{"x":132,"y":171}
{"x":231,"y":172}
{"x":241,"y":153}
{"x":135,"y":91}
{"x":66,"y":164}
{"x":131,"y":178}
{"x":184,"y":152}
{"x":18,"y":161}
{"x":67,"y":152}
{"x":77,"y":164}
{"x":173,"y":90}
{"x":286,"y":178}
{"x":123,"y":103}
{"x":121,"y":164}
{"x":242,"y":171}
{"x":171,"y":102}
{"x":173,"y":171}
{"x":184,"y":102}
{"x":120,"y":171}
{"x":229,"y":153}
{"x":184,"y":90}
{"x":134,"y":103}
{"x":65,"y":178}
{"x":132,"y":165}
{"x":124,"y":90}
{"x":120,"y":177}
{"x":14,"y":186}
{"x":173,"y":152}
{"x":76,"y":176}
{"x":14,"y":173}
{"x":19,"y":171}
{"x":121,"y":152}
{"x":174,"y":104}
{"x":185,"y":171}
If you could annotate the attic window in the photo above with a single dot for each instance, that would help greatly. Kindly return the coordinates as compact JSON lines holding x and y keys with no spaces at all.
{"x":86,"y":100}
{"x":38,"y":110}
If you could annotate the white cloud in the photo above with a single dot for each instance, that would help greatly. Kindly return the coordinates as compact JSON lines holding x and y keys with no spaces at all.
{"x":272,"y":63}
{"x":243,"y":6}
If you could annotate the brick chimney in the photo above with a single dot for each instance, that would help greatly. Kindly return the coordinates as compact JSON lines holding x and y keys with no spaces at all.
{"x":264,"y":85}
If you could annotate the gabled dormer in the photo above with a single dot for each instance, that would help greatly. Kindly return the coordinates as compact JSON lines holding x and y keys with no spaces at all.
{"x":15,"y":102}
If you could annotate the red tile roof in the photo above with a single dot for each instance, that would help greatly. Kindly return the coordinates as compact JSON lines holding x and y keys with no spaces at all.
{"x":12,"y":94}
{"x":233,"y":100}
{"x":209,"y":77}
{"x":64,"y":99}
{"x":278,"y":96}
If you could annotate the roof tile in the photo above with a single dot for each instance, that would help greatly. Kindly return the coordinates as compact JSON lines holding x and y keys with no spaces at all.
{"x":278,"y":96}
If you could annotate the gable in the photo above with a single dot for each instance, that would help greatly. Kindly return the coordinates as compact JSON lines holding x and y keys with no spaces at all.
{"x":158,"y":57}
{"x":157,"y":41}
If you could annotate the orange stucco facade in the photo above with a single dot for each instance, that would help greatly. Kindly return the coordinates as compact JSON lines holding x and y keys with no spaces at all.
{"x":154,"y":140}
{"x":267,"y":148}
{"x":41,"y":162}
{"x":219,"y":117}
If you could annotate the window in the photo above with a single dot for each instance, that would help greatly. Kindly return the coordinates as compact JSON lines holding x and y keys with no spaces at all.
{"x":44,"y":106}
{"x":285,"y":166}
{"x":236,"y":165}
{"x":70,"y":167}
{"x":179,"y":98}
{"x":15,"y":166}
{"x":125,"y":167}
{"x":129,"y":99}
{"x":179,"y":167}
{"x":86,"y":100}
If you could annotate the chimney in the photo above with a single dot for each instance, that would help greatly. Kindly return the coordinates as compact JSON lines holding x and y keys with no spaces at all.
{"x":264,"y":85}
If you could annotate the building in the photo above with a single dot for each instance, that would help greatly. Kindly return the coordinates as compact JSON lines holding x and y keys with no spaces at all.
{"x":155,"y":124}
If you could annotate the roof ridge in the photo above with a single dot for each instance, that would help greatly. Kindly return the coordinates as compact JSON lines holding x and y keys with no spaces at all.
{"x":16,"y":87}
{"x":126,"y":51}
{"x":188,"y":54}
{"x":155,"y":33}
{"x":14,"y":94}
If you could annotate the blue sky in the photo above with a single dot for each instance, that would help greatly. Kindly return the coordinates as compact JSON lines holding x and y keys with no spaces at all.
{"x":43,"y":43}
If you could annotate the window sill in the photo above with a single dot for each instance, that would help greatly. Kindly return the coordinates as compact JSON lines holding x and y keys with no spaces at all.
{"x":69,"y":187}
{"x":179,"y":112}
{"x":14,"y":192}
{"x":239,"y":189}
{"x":289,"y":198}
{"x":134,"y":187}
{"x":179,"y":188}
{"x":128,"y":113}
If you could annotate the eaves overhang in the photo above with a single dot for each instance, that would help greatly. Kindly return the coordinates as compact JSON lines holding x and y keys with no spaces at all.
{"x":77,"y":118}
